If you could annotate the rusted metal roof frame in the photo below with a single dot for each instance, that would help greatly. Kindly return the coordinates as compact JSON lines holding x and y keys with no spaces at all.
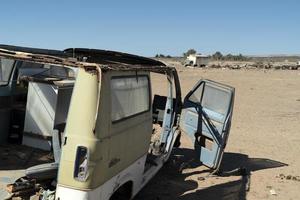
{"x":50,"y":52}
{"x":110,"y":57}
{"x":99,"y":56}
{"x":63,"y":62}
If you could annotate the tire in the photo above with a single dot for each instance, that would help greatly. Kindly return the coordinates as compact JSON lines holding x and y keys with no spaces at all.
{"x":123,"y":193}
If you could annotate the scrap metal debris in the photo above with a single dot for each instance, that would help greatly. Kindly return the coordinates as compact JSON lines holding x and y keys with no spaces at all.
{"x":155,"y":139}
{"x":273,"y":191}
{"x":288,"y":177}
{"x":22,"y":188}
{"x":48,"y":195}
{"x":235,"y":172}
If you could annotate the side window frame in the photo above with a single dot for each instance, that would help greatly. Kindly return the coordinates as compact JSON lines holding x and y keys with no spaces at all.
{"x":149,"y":98}
{"x":201,"y":83}
{"x":11,"y":74}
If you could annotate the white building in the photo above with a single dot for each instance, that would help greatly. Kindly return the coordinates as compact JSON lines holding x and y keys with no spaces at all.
{"x":199,"y":60}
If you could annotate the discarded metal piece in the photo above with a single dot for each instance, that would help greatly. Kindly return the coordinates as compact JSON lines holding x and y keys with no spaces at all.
{"x":48,"y":195}
{"x":241,"y":171}
{"x":273,"y":192}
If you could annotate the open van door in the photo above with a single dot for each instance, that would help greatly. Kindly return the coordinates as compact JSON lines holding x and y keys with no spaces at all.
{"x":206,"y":119}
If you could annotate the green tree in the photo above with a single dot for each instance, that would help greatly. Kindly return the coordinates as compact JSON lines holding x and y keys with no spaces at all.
{"x":239,"y":57}
{"x":189,"y":52}
{"x":229,"y":57}
{"x":217,"y":56}
{"x":160,"y":56}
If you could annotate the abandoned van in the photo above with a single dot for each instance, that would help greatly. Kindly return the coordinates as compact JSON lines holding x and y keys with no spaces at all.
{"x":84,"y":124}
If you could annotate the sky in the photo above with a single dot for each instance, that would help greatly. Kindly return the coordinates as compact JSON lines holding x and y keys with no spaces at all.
{"x":149,"y":27}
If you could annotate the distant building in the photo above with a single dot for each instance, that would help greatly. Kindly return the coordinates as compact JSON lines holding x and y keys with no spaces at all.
{"x":199,"y":60}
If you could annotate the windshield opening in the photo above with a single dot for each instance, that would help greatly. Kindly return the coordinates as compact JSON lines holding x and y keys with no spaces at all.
{"x":41,"y":71}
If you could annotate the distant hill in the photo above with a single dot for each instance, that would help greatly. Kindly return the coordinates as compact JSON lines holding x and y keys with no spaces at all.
{"x":275,"y":58}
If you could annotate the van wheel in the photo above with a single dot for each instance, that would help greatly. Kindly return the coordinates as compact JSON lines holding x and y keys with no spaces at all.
{"x":123,"y":193}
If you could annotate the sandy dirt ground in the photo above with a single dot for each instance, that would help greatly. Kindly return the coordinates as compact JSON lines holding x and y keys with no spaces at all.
{"x":264,"y":139}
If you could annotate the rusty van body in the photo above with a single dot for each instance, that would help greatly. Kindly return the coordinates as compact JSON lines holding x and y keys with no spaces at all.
{"x":79,"y":123}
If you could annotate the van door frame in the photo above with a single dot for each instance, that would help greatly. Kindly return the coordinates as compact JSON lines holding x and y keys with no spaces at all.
{"x":171,"y":115}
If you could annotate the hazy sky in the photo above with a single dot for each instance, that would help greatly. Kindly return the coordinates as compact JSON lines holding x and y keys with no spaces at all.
{"x":147,"y":27}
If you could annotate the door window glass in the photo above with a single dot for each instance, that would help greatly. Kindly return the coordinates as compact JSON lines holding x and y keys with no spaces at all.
{"x":216,"y":99}
{"x":213,"y":98}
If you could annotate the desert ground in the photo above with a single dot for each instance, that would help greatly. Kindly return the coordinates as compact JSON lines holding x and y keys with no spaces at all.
{"x":264,"y":139}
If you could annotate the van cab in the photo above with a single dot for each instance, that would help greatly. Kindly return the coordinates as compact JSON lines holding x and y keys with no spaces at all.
{"x":89,"y":126}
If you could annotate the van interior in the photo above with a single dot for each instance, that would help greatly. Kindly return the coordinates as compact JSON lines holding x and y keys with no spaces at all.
{"x":34,"y":100}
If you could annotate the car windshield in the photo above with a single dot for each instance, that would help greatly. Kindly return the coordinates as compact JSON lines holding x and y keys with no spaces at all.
{"x":6,"y":66}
